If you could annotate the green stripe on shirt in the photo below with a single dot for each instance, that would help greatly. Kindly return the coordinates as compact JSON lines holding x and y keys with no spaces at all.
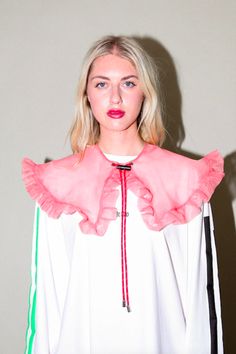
{"x":31,"y":329}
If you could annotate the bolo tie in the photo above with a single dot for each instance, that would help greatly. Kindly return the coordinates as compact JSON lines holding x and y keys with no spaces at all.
{"x":123,"y":169}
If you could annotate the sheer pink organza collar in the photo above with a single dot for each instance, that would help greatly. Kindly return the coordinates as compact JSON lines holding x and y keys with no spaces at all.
{"x":170,"y":188}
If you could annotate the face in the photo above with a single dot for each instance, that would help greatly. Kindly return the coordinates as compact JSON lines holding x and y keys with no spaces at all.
{"x":114,"y":93}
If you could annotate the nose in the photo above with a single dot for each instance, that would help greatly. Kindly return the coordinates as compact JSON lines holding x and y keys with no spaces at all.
{"x":116,"y":95}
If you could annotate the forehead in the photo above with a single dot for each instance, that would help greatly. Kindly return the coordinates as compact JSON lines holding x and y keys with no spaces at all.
{"x":111,"y":63}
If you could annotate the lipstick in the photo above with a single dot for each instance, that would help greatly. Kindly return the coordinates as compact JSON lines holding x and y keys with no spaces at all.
{"x":115,"y":113}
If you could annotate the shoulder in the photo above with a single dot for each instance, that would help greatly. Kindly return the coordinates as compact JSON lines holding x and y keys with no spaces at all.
{"x":60,"y":185}
{"x":179,"y":185}
{"x":68,"y":164}
{"x":165,"y":159}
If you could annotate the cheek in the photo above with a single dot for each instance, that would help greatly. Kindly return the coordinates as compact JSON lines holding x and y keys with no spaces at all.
{"x":93,"y":102}
{"x":95,"y":98}
{"x":137,"y":101}
{"x":96,"y":103}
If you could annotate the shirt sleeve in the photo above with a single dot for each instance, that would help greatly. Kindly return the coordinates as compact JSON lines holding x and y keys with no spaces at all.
{"x":49,"y":278}
{"x":203,"y":315}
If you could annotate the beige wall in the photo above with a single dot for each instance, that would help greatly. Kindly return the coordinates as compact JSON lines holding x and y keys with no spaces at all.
{"x":42,"y":44}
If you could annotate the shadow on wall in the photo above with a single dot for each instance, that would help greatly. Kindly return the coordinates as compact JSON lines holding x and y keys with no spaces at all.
{"x":221,"y":202}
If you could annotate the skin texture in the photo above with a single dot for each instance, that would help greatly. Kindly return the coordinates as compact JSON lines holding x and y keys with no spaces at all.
{"x":113,"y":84}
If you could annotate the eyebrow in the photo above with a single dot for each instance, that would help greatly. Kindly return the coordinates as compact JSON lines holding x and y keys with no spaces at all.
{"x":107,"y":78}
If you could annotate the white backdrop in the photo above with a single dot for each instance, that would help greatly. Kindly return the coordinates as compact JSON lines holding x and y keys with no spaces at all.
{"x":42,"y":44}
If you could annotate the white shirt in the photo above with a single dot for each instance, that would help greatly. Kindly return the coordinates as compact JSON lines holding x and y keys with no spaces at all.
{"x":76,"y":287}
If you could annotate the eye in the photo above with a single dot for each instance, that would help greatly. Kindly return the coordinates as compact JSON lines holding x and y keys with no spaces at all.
{"x":100,"y":84}
{"x":129,"y":84}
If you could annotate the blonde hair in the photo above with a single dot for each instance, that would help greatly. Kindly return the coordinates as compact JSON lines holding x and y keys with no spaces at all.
{"x":85,"y":129}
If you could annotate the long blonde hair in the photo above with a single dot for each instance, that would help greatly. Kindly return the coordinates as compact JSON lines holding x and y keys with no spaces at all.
{"x":85,"y":129}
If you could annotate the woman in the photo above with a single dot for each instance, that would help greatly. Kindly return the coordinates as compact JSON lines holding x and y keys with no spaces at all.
{"x":150,"y":208}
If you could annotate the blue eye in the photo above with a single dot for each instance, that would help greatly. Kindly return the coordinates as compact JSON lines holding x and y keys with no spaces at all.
{"x":100,"y":84}
{"x":129,"y":84}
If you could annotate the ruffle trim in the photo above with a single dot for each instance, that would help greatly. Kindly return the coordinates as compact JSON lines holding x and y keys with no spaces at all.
{"x":180,"y":214}
{"x":107,"y":211}
{"x":54,"y":208}
{"x":184,"y":213}
{"x":39,"y":193}
{"x":154,"y":219}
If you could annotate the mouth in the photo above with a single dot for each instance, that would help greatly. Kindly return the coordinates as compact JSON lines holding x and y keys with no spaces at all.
{"x":115,"y":113}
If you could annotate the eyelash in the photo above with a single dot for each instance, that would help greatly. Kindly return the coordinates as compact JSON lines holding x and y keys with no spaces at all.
{"x":100,"y":83}
{"x":129,"y":84}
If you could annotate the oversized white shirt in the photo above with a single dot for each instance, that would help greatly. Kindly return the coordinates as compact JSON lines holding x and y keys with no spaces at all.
{"x":76,"y":293}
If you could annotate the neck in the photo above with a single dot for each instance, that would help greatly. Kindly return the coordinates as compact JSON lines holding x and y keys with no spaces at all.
{"x":121,"y":143}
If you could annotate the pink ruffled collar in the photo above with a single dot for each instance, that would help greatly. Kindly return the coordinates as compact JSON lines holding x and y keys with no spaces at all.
{"x":170,"y":188}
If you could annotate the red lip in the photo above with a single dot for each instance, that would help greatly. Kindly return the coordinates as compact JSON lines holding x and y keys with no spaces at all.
{"x":115,"y":113}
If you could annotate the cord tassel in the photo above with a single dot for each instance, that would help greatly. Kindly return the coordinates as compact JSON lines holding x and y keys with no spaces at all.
{"x":124,"y":267}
